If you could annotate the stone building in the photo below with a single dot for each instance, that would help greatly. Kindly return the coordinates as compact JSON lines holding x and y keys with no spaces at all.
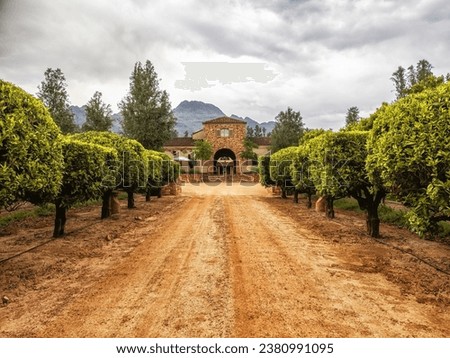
{"x":227,"y":138}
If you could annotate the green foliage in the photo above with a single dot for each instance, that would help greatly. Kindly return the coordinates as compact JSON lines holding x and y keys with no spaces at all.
{"x":18,"y":216}
{"x":139,"y":169}
{"x":86,"y":171}
{"x":337,"y":167}
{"x":349,"y":204}
{"x":131,"y":166}
{"x":258,"y":131}
{"x":393,"y":216}
{"x":155,"y":168}
{"x":31,"y":160}
{"x":98,"y":115}
{"x":203,"y":150}
{"x":365,"y":124}
{"x":352,"y":116}
{"x":386,"y":214}
{"x":280,"y":165}
{"x":444,"y":228}
{"x":146,"y":110}
{"x":53,"y":93}
{"x":311,"y":133}
{"x":288,"y":130}
{"x":422,"y":71}
{"x":171,"y":169}
{"x":400,"y":82}
{"x":337,"y":162}
{"x":409,"y":149}
{"x":248,"y":152}
{"x":416,"y":80}
{"x":280,"y":169}
{"x":300,"y":170}
{"x":429,"y":82}
{"x":264,"y":171}
{"x":163,"y":170}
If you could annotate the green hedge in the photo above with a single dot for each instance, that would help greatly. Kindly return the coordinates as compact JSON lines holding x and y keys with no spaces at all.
{"x":264,"y":171}
{"x":87,"y":176}
{"x":300,"y":173}
{"x":131,"y":165}
{"x":280,"y":164}
{"x":280,"y":168}
{"x":87,"y":171}
{"x":31,"y":159}
{"x":409,"y":150}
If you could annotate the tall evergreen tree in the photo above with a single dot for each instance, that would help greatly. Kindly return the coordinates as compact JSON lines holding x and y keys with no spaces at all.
{"x":400,"y":82}
{"x":98,"y":114}
{"x":250,"y":132}
{"x":423,"y":70}
{"x":352,"y":116}
{"x":412,"y":78}
{"x":258,"y":131}
{"x":248,"y":152}
{"x":429,"y":82}
{"x":288,"y":129}
{"x":416,"y":79}
{"x":53,"y":93}
{"x":146,"y":110}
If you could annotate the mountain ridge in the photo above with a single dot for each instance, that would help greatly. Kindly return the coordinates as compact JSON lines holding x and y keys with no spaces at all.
{"x":190,"y":117}
{"x":79,"y":115}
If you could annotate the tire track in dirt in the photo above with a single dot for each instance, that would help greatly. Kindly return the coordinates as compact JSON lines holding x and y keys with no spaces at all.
{"x":289,"y":282}
{"x":270,"y":288}
{"x":172,"y":285}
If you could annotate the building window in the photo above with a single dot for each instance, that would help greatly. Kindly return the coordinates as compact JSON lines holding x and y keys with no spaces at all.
{"x":225,"y":132}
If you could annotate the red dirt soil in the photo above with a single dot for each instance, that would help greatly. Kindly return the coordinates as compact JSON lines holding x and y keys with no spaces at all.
{"x":221,"y":261}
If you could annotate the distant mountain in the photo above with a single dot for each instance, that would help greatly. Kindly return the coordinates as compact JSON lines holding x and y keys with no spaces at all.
{"x":116,"y":125}
{"x":191,"y":114}
{"x":79,"y":114}
{"x":252,"y":123}
{"x":80,"y":117}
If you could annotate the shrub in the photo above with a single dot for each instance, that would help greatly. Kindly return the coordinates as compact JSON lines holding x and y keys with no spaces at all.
{"x":131,"y":167}
{"x":86,"y":176}
{"x":409,"y":149}
{"x":280,"y":169}
{"x":31,"y":159}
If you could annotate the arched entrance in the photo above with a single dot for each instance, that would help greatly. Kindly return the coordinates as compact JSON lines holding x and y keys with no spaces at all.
{"x":225,"y":161}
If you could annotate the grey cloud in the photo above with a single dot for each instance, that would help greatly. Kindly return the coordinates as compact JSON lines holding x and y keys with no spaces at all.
{"x":91,"y":42}
{"x":317,"y":48}
{"x":436,"y":11}
{"x":302,"y":26}
{"x":268,"y":42}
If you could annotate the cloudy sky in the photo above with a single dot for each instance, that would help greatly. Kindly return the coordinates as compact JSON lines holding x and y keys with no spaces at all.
{"x":251,"y":58}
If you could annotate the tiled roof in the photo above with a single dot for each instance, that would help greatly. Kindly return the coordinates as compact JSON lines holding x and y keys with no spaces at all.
{"x":224,"y":120}
{"x":180,"y":142}
{"x":262,"y":140}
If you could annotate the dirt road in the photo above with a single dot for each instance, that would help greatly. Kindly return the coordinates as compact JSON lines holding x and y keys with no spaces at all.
{"x":232,"y":261}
